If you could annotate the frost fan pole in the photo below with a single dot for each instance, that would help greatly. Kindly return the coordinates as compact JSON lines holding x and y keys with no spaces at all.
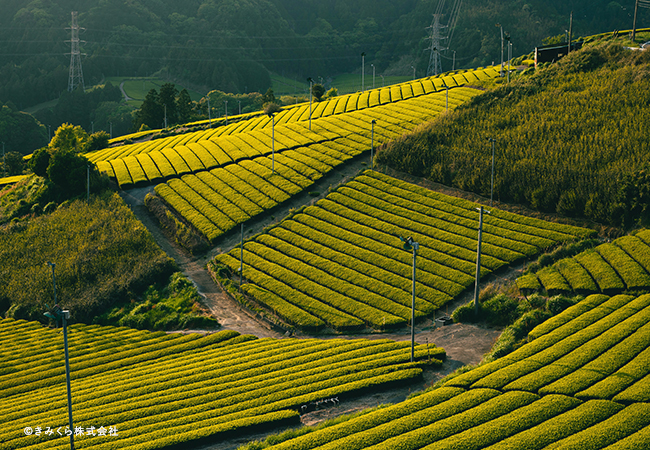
{"x":568,"y":50}
{"x":241,"y":256}
{"x":478,"y":258}
{"x":636,"y":8}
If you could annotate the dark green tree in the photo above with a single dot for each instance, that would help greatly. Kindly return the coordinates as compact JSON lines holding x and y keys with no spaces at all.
{"x":184,"y":105}
{"x":14,"y":163}
{"x":20,"y":131}
{"x":69,"y":138}
{"x":268,"y":97}
{"x":97,"y":141}
{"x":167,"y":99}
{"x":67,"y":170}
{"x":318,"y":90}
{"x":150,"y":113}
{"x":39,"y":161}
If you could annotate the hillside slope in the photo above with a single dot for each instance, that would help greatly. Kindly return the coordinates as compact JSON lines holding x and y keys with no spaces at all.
{"x":570,"y":138}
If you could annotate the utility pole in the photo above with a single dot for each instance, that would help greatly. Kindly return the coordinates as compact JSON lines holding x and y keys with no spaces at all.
{"x":372,"y":144}
{"x":209,"y":114}
{"x":568,"y":50}
{"x":4,"y":163}
{"x":363,"y":71}
{"x":636,"y":9}
{"x":273,"y":143}
{"x":88,"y":183}
{"x":501,"y":67}
{"x":241,"y":256}
{"x":226,"y":109}
{"x":76,"y":76}
{"x":509,"y":54}
{"x":311,"y":82}
{"x":478,"y":257}
{"x":492,"y":183}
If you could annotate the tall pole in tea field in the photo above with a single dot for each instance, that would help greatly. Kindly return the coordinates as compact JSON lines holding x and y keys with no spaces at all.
{"x":372,"y":144}
{"x":272,"y":143}
{"x":226,"y":109}
{"x":568,"y":50}
{"x":241,"y":256}
{"x":501,"y":68}
{"x":492,"y":182}
{"x":636,"y":9}
{"x":363,"y":71}
{"x":411,"y":245}
{"x":311,"y":82}
{"x":57,"y":313}
{"x":209,"y":114}
{"x":478,"y":257}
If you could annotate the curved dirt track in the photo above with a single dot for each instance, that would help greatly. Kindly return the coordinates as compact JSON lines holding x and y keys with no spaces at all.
{"x":464,"y":343}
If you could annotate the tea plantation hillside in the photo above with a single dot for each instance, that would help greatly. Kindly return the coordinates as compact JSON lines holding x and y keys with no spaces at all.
{"x":614,"y":267}
{"x":149,"y":390}
{"x":340,"y":262}
{"x":570,"y":138}
{"x":580,"y":383}
{"x":218,"y":178}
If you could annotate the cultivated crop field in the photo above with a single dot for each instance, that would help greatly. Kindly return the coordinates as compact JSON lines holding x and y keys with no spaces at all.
{"x":151,"y":389}
{"x":621,"y":265}
{"x":580,"y":383}
{"x":223,"y":176}
{"x":339,"y":263}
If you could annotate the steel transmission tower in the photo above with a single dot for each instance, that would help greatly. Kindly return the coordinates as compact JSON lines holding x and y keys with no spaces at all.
{"x":436,"y":37}
{"x":76,"y":77}
{"x":441,"y":35}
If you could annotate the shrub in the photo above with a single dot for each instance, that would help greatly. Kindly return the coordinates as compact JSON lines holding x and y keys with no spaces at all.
{"x":559,"y":303}
{"x":528,"y":321}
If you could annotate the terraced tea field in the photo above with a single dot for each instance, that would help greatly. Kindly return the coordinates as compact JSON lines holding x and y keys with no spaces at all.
{"x":621,"y":265}
{"x":152,"y":390}
{"x":218,"y":178}
{"x":581,"y":383}
{"x":339,"y":264}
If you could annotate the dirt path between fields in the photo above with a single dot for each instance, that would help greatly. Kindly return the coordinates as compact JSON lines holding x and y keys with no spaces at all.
{"x":464,"y":343}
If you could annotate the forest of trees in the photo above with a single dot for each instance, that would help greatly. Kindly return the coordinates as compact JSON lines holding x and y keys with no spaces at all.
{"x":231,"y":45}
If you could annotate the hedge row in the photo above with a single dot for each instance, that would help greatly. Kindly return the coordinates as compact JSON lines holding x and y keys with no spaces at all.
{"x":623,"y":264}
{"x":201,"y":387}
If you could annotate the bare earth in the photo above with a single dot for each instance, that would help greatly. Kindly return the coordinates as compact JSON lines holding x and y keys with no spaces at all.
{"x":464,"y":343}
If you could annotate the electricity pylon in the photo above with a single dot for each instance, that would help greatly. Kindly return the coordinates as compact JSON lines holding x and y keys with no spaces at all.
{"x":76,"y":77}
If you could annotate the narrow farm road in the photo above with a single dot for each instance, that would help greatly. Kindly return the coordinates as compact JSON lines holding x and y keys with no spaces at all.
{"x":229,"y":313}
{"x":126,"y":97}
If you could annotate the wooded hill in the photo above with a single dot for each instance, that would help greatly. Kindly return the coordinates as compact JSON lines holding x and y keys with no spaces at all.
{"x":231,"y":45}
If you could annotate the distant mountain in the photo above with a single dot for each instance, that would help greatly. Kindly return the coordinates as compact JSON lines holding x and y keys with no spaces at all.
{"x":231,"y":45}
